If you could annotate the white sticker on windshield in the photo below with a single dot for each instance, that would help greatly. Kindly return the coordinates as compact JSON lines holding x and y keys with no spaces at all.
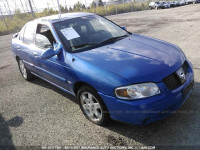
{"x":70,"y":33}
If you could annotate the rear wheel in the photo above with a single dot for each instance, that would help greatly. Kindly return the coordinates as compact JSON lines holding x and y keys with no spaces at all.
{"x":93,"y":106}
{"x":156,"y":8}
{"x":25,"y":73}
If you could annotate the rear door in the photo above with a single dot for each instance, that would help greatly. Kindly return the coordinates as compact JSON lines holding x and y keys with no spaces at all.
{"x":26,"y":48}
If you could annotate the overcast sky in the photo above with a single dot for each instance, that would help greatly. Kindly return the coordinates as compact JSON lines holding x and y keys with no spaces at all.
{"x":37,"y":4}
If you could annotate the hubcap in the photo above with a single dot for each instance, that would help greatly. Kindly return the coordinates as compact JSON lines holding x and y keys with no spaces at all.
{"x":22,"y":69}
{"x":91,"y":106}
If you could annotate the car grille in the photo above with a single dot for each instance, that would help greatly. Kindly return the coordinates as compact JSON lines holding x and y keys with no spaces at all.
{"x":173,"y":81}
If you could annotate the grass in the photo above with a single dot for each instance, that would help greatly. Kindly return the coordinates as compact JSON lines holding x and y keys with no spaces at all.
{"x":18,"y":20}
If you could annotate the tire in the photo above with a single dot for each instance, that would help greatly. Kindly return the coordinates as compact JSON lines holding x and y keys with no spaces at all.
{"x":156,"y":8}
{"x":150,"y":8}
{"x":25,"y":73}
{"x":93,"y":106}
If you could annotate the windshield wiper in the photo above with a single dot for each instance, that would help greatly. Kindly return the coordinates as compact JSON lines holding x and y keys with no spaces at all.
{"x":83,"y":45}
{"x":98,"y":44}
{"x":112,"y":39}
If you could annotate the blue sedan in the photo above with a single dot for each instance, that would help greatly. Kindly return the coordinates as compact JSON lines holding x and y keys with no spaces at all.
{"x":113,"y":73}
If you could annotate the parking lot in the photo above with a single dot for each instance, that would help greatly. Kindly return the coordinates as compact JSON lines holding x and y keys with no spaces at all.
{"x":38,"y":114}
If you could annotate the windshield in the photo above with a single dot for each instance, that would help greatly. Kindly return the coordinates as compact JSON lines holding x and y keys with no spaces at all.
{"x":87,"y":32}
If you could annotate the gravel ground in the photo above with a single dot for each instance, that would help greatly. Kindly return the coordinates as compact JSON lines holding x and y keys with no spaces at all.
{"x":38,"y":114}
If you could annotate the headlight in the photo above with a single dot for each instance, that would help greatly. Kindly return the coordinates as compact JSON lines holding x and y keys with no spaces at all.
{"x":137,"y":91}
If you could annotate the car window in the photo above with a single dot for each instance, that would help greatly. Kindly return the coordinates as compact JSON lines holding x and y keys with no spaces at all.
{"x":44,"y":28}
{"x":96,"y":25}
{"x":44,"y":38}
{"x":42,"y":41}
{"x":29,"y":33}
{"x":83,"y":33}
{"x":104,"y":25}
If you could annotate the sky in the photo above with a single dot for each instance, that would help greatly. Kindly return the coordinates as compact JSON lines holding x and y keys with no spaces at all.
{"x":38,"y":5}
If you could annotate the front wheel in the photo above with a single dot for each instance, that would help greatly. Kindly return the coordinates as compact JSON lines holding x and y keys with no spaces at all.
{"x":150,"y":8}
{"x":25,"y":73}
{"x":93,"y":106}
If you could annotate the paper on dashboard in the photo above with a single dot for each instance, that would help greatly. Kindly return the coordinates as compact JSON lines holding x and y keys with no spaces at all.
{"x":70,"y":33}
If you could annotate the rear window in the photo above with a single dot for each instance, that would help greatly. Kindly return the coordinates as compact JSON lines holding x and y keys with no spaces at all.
{"x":21,"y":34}
{"x":28,"y":33}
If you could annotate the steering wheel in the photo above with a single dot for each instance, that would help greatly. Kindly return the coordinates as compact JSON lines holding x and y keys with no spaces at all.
{"x":101,"y":32}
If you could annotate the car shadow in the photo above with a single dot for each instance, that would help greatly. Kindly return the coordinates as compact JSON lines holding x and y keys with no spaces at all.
{"x":6,"y":142}
{"x":180,"y":128}
{"x":47,"y":85}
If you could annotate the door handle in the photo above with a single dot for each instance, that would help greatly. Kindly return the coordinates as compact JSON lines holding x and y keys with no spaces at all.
{"x":18,"y":48}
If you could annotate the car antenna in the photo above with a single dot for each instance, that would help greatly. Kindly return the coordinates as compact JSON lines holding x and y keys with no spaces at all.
{"x":59,"y":9}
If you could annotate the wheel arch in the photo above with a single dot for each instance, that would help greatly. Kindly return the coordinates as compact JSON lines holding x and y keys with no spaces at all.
{"x":79,"y":84}
{"x":17,"y":58}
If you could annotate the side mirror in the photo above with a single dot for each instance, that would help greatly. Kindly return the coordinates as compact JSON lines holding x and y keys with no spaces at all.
{"x":48,"y":53}
{"x":52,"y":52}
{"x":124,"y":28}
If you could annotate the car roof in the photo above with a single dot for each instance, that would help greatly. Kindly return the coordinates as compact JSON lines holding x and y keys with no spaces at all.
{"x":57,"y":18}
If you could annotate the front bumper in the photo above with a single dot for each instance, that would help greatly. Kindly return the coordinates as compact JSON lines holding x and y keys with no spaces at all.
{"x":149,"y":109}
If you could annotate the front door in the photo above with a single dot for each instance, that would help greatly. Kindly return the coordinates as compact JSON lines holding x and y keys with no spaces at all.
{"x":55,"y":68}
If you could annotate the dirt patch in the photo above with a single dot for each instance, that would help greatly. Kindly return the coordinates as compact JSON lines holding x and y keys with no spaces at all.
{"x":116,"y":141}
{"x":5,"y":66}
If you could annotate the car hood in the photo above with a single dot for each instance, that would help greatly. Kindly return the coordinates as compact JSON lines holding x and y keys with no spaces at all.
{"x":136,"y":58}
